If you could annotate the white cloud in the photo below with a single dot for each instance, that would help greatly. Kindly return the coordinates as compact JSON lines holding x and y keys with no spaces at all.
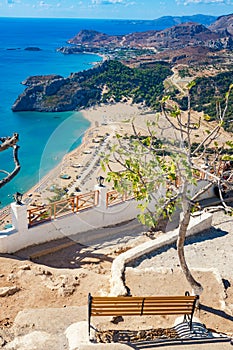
{"x":110,"y":2}
{"x":187,"y":2}
{"x":130,"y":3}
{"x":43,"y":4}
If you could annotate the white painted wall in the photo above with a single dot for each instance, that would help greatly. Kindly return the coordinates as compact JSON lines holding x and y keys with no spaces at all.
{"x":201,"y":184}
{"x":20,"y":236}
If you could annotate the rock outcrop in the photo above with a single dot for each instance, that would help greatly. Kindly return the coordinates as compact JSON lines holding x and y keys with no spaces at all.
{"x":55,"y":96}
{"x":54,"y":93}
{"x":32,"y":48}
{"x":96,"y":38}
{"x":223,"y":24}
{"x":38,"y":79}
{"x":7,"y":291}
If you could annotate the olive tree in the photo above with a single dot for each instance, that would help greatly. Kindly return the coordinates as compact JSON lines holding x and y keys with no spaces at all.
{"x":163,"y":166}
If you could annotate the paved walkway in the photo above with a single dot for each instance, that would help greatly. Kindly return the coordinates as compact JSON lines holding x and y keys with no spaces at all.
{"x":192,"y":345}
{"x":211,"y":249}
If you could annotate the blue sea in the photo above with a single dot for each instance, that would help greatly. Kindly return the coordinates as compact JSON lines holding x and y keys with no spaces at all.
{"x":44,"y":137}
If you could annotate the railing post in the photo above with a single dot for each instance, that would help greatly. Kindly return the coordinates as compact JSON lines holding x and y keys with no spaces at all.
{"x":19,"y":217}
{"x":102,"y":205}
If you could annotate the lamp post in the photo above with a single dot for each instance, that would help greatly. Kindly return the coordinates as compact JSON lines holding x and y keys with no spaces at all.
{"x":18,"y":198}
{"x":100,"y":181}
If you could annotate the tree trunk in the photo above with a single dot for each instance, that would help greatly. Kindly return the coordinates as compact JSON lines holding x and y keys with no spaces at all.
{"x":196,"y":286}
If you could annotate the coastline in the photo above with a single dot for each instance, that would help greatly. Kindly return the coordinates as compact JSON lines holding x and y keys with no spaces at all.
{"x":82,"y":165}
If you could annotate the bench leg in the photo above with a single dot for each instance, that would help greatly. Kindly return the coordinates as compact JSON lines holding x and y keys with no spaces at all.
{"x":89,"y":314}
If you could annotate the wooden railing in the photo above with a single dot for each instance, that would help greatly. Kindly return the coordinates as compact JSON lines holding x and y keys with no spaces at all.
{"x":63,"y":207}
{"x":74,"y":204}
{"x":114,"y":197}
{"x":57,"y":209}
{"x":39,"y":215}
{"x":87,"y":200}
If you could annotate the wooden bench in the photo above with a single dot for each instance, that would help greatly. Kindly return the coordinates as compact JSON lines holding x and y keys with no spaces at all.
{"x":142,"y":306}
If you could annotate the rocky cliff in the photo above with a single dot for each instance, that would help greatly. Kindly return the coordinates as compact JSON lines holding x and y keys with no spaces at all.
{"x":38,"y":79}
{"x":56,"y":94}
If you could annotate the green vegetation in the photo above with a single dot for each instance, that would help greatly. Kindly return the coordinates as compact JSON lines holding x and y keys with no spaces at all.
{"x":141,"y":84}
{"x":114,"y":81}
{"x":184,"y":73}
{"x":207,"y":93}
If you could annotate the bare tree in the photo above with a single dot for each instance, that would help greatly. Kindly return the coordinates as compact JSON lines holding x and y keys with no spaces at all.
{"x":6,"y":143}
{"x":168,"y":158}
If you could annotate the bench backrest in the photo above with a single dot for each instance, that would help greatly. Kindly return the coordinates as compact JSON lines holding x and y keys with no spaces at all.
{"x":138,"y":306}
{"x":128,"y":306}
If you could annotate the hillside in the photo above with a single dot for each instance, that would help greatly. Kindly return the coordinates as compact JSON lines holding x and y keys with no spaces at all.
{"x":217,"y":36}
{"x":223,"y":24}
{"x":211,"y":90}
{"x":86,"y":88}
{"x":137,"y":68}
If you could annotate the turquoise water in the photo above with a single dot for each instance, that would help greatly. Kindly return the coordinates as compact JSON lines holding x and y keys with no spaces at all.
{"x":44,"y":137}
{"x":34,"y":128}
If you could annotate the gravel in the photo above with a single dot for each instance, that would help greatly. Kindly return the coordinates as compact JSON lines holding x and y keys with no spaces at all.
{"x":209,"y":249}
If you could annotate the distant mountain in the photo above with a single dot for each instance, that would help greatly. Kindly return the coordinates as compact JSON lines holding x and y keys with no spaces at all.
{"x":178,"y":36}
{"x":96,"y":39}
{"x":223,"y":24}
{"x":170,"y":21}
{"x":175,"y":37}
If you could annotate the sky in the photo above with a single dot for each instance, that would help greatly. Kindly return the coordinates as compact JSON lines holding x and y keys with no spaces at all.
{"x":118,"y":9}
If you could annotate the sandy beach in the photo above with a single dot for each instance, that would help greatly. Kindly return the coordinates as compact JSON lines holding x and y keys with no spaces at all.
{"x":58,"y":283}
{"x":81,"y":167}
{"x":78,"y":170}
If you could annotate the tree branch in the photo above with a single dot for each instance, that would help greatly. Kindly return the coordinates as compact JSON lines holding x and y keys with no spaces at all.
{"x":8,"y":142}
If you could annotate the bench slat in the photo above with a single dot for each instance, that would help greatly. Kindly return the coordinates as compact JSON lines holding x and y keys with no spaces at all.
{"x":151,"y":305}
{"x":125,"y":312}
{"x":133,"y":299}
{"x":117,"y":313}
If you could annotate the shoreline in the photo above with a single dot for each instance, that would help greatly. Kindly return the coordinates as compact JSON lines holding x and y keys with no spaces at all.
{"x":81,"y":165}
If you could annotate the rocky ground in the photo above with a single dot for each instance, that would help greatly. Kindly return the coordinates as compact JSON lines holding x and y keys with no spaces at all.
{"x":39,"y":299}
